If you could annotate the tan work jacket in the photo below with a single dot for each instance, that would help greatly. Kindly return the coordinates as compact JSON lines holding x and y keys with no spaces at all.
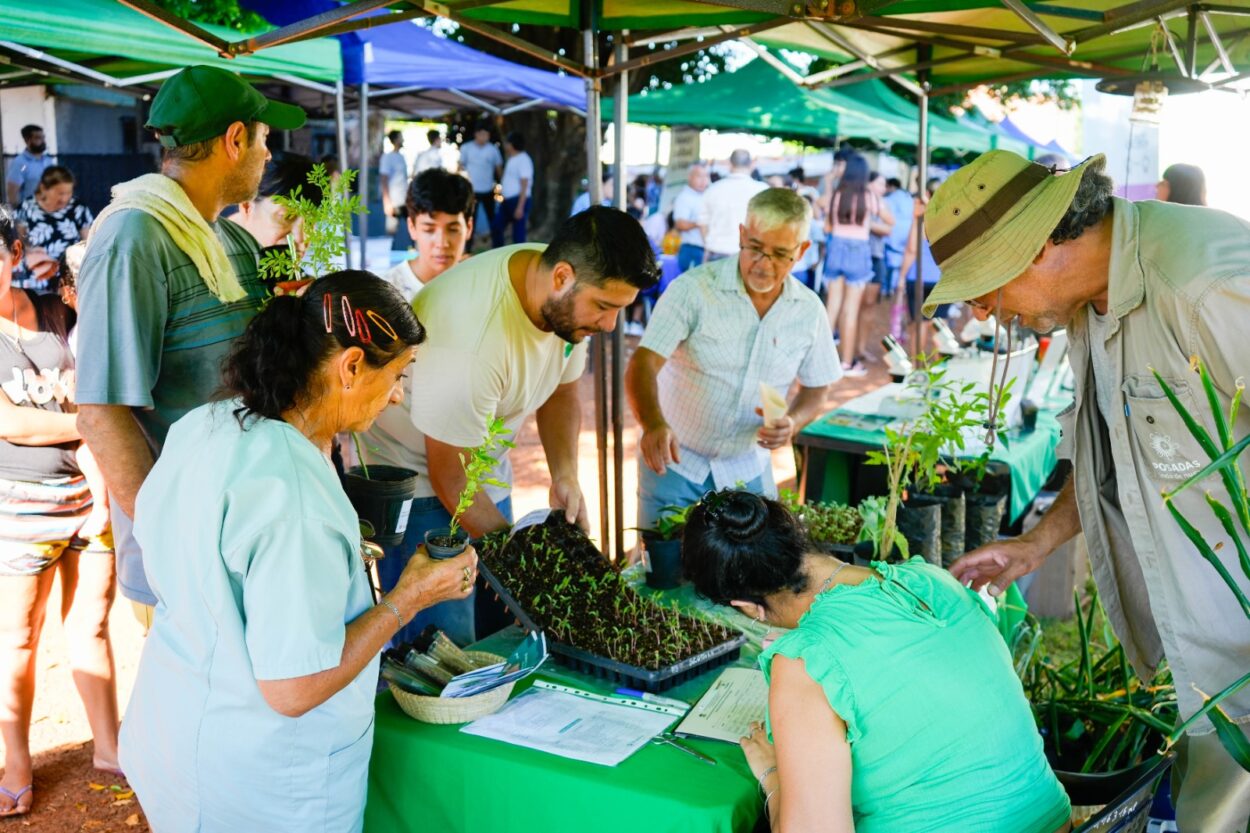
{"x":1179,"y":287}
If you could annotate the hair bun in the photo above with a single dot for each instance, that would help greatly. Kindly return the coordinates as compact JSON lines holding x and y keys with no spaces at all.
{"x":743,"y":516}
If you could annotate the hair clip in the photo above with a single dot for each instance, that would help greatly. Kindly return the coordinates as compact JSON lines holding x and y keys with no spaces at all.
{"x":382,"y":324}
{"x":327,"y":310}
{"x":362,"y":327}
{"x":349,"y":320}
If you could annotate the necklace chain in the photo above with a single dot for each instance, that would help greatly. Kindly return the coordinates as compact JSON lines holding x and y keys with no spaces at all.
{"x":829,"y":581}
{"x":17,"y":341}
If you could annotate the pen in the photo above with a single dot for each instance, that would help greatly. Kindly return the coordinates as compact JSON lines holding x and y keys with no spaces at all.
{"x":648,"y":697}
{"x":684,"y":748}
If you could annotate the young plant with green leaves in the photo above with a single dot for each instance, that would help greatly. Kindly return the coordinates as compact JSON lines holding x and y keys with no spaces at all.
{"x":671,"y":523}
{"x":920,"y":452}
{"x":1225,"y":454}
{"x":478,"y":463}
{"x":826,"y":522}
{"x":325,"y":225}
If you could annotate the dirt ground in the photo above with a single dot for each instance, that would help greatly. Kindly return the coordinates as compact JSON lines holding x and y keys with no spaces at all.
{"x":71,"y":796}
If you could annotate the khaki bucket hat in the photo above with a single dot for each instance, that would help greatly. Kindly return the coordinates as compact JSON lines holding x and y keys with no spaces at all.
{"x":989,"y":220}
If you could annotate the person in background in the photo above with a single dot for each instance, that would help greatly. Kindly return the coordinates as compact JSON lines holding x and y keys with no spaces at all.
{"x":166,"y":287}
{"x":1184,"y":184}
{"x":516,"y":188}
{"x":654,"y":190}
{"x":932,"y":185}
{"x":918,"y":257}
{"x":515,"y":344}
{"x":263,"y":218}
{"x":900,"y":202}
{"x":51,"y":221}
{"x":829,"y":182}
{"x":480,"y":159}
{"x":848,"y":256}
{"x":393,"y":181}
{"x":879,"y":285}
{"x":26,"y":169}
{"x":440,"y":221}
{"x":53,"y":523}
{"x":716,"y":334}
{"x":608,"y":183}
{"x":687,"y":211}
{"x":1142,"y":288}
{"x":724,"y":207}
{"x":431,"y":157}
{"x":854,"y":742}
{"x":807,"y":270}
{"x":258,"y":678}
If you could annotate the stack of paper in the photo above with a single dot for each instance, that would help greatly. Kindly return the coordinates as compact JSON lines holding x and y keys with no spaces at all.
{"x":525,"y":660}
{"x":738,"y":698}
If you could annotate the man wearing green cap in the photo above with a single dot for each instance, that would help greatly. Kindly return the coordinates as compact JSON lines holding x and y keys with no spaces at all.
{"x":165,"y":287}
{"x":1140,"y":287}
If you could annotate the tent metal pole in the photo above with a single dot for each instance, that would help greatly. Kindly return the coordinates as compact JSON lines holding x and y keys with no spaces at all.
{"x":363,"y":182}
{"x":594,"y":186}
{"x":621,"y":106}
{"x":922,"y":171}
{"x":340,"y":134}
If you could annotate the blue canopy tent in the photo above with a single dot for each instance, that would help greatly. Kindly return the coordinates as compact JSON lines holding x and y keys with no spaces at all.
{"x":1012,"y":129}
{"x":423,"y":74}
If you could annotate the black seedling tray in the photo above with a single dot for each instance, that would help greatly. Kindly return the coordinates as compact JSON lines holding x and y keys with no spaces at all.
{"x":630,"y":676}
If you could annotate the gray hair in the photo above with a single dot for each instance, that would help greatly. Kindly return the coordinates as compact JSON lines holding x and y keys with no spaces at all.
{"x":740,"y":159}
{"x":776,"y":207}
{"x":1090,"y":205}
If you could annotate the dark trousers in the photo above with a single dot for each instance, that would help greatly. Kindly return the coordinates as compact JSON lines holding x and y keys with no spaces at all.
{"x":506,"y":216}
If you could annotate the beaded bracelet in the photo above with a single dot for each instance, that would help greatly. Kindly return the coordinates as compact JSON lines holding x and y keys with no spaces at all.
{"x":391,"y":606}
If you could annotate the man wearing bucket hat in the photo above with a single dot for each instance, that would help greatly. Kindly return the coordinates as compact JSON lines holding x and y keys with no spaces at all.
{"x":1140,"y":287}
{"x":165,"y":287}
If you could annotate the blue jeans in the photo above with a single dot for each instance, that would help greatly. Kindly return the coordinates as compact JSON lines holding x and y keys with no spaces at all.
{"x":688,"y":257}
{"x":657,"y":491}
{"x":455,"y":618}
{"x":504,"y":217}
{"x":847,"y":258}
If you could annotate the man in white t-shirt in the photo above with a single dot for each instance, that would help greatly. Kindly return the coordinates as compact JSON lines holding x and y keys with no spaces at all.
{"x":725,"y":207}
{"x":516,"y":187}
{"x":431,"y":157}
{"x":393,"y":181}
{"x":483,"y":164}
{"x":687,"y":213}
{"x":506,"y":340}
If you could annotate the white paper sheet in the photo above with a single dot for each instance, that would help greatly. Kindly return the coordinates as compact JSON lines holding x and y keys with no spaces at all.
{"x":738,"y":698}
{"x":572,"y":726}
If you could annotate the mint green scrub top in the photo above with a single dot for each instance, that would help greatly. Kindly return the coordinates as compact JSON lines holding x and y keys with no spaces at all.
{"x":942,"y":738}
{"x":253,"y":553}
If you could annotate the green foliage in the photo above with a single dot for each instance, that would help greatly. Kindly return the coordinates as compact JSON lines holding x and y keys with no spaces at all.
{"x":478,"y":464}
{"x":672,"y":522}
{"x":826,"y":522}
{"x":325,"y":224}
{"x":1225,"y":454}
{"x":872,"y":512}
{"x":226,"y":13}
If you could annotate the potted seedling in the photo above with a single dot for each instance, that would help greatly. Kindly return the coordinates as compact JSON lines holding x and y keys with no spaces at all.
{"x":478,"y":463}
{"x":871,"y":543}
{"x":324,"y":223}
{"x":833,"y":527}
{"x":663,"y":547}
{"x":983,"y":510}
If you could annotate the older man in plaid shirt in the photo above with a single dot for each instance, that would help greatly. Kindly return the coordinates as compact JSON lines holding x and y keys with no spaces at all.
{"x":718,"y":332}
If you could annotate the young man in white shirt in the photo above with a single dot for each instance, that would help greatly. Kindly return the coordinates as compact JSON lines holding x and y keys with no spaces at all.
{"x":517,"y":187}
{"x":483,"y":164}
{"x":439,"y":212}
{"x":393,"y":180}
{"x":431,"y":157}
{"x":725,"y":207}
{"x":716,"y":334}
{"x":507,"y":332}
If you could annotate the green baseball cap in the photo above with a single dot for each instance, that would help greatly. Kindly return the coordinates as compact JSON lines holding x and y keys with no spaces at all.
{"x":201,"y":102}
{"x":990,"y":218}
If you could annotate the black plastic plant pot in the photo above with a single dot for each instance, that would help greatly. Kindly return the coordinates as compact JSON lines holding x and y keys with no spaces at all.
{"x":440,"y":543}
{"x":953,"y":518}
{"x":664,"y":557}
{"x":1092,"y":789}
{"x":983,"y":515}
{"x":383,"y":499}
{"x":865,"y":552}
{"x":920,"y":521}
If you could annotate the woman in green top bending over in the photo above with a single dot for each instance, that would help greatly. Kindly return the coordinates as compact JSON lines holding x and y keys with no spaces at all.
{"x":893,"y":704}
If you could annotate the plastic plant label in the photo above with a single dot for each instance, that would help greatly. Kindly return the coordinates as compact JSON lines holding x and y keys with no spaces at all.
{"x":533,"y":518}
{"x":402,"y":524}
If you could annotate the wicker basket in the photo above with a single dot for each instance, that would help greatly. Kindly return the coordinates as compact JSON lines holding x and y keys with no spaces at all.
{"x":455,"y":709}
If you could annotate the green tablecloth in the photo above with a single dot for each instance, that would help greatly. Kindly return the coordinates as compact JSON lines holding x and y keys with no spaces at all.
{"x":425,"y":778}
{"x":1030,"y":457}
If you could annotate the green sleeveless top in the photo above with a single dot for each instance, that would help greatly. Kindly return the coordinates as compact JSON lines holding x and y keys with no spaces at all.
{"x":942,"y":738}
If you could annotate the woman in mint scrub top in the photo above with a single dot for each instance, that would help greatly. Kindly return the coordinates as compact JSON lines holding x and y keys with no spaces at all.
{"x":253,"y":706}
{"x":892,"y":703}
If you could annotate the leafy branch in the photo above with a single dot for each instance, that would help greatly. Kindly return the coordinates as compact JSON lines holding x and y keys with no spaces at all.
{"x":478,"y":463}
{"x":324,"y":223}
